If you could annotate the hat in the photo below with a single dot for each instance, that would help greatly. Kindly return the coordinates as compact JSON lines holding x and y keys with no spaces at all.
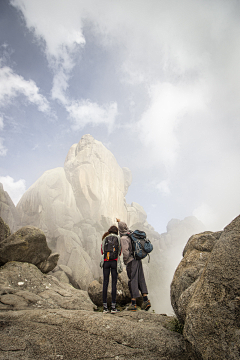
{"x":123,"y":228}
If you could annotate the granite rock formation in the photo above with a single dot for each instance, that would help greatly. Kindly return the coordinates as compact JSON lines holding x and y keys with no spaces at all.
{"x":28,"y":244}
{"x":205,"y":293}
{"x":76,"y":204}
{"x":24,"y":286}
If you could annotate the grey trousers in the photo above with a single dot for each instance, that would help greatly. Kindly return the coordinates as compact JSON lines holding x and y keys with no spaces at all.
{"x":136,"y":278}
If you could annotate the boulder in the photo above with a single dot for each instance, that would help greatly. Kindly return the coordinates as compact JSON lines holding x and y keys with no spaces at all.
{"x":123,"y":293}
{"x":209,"y":304}
{"x":27,"y":245}
{"x":64,"y":274}
{"x":4,"y":230}
{"x":49,"y":264}
{"x":24,"y":286}
{"x":196,"y":253}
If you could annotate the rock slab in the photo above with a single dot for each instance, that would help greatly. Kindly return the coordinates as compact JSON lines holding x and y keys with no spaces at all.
{"x":68,"y":334}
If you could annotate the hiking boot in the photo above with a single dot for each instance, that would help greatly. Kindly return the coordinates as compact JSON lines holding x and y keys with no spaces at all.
{"x":105,"y":310}
{"x":146,"y":305}
{"x":114,"y":310}
{"x":132,"y":307}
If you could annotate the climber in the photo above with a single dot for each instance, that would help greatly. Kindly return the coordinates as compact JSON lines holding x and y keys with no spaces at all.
{"x":111,"y":251}
{"x":134,"y":270}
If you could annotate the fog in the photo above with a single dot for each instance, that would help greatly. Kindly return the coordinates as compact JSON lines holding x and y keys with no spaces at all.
{"x":156,"y":82}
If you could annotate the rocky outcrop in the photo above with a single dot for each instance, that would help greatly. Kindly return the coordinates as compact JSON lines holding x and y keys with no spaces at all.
{"x":205,"y":293}
{"x":123,"y":294}
{"x":24,"y":286}
{"x":76,"y":204}
{"x":28,"y":244}
{"x":185,"y":280}
{"x":67,"y":334}
{"x":8,"y":211}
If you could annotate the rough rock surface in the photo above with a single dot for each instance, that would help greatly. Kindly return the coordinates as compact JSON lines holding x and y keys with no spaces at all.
{"x":28,"y":244}
{"x":24,"y":286}
{"x":210,"y":306}
{"x":123,"y":293}
{"x":196,"y":253}
{"x":65,"y":334}
{"x":4,"y":230}
{"x":49,"y":264}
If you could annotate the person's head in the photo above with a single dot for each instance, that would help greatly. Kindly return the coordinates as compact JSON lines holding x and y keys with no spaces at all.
{"x":123,"y":228}
{"x":112,"y":230}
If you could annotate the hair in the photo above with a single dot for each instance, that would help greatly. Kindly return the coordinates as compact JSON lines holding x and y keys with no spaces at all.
{"x":112,"y":230}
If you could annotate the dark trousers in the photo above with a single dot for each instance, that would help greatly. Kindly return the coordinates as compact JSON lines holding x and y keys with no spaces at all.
{"x":107,"y":266}
{"x":136,"y":278}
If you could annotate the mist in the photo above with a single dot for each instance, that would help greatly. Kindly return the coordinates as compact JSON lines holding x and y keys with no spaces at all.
{"x":156,"y":82}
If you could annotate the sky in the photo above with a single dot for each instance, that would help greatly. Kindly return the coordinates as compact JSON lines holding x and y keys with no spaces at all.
{"x":157,"y":82}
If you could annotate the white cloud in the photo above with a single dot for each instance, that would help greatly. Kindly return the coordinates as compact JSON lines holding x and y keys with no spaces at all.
{"x":3,"y":149}
{"x":15,"y":189}
{"x":1,"y":123}
{"x":163,"y":188}
{"x":86,"y":112}
{"x":12,"y":85}
{"x":169,"y":104}
{"x":206,"y":214}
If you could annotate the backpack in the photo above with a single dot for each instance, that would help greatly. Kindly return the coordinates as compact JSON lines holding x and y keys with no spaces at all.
{"x":141,"y":244}
{"x":111,"y":247}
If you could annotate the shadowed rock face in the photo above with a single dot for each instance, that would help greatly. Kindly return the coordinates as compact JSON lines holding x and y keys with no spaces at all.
{"x":4,"y":230}
{"x":27,"y":245}
{"x":206,"y":293}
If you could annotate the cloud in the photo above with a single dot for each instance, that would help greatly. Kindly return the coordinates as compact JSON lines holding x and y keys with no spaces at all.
{"x":12,"y":85}
{"x":169,"y":105}
{"x":205,"y":214}
{"x":85,"y":112}
{"x":163,"y":188}
{"x":15,"y":189}
{"x":3,"y":149}
{"x":1,"y":123}
{"x":184,"y":59}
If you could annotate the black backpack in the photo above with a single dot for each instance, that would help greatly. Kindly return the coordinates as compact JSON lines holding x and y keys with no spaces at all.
{"x":141,"y":244}
{"x":111,"y":247}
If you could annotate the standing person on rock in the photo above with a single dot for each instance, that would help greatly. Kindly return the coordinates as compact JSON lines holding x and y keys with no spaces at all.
{"x":111,"y":251}
{"x":134,"y":269}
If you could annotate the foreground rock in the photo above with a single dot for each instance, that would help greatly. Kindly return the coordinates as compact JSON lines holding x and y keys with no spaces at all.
{"x":185,"y":280}
{"x":64,"y":334}
{"x":24,"y":286}
{"x":206,"y":293}
{"x":28,"y":244}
